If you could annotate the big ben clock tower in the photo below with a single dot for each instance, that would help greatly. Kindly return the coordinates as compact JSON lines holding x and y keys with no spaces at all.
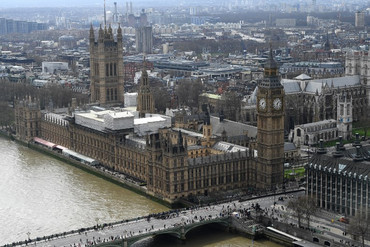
{"x":270,"y":128}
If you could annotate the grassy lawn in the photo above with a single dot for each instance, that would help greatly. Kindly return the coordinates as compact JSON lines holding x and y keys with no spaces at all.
{"x":333,"y":143}
{"x":359,"y":127}
{"x":361,"y":132}
{"x":299,"y":172}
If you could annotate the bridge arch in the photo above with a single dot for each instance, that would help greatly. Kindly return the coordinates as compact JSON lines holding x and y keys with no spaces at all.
{"x":222,"y":222}
{"x":178,"y":232}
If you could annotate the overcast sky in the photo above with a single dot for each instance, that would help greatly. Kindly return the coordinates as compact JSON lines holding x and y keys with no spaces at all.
{"x":98,"y":3}
{"x":50,"y":3}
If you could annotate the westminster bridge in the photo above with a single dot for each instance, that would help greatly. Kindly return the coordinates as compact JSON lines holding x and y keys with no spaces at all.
{"x":125,"y":233}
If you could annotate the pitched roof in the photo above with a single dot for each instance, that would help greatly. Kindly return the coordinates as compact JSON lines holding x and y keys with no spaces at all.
{"x":345,"y":165}
{"x":303,"y":77}
{"x":232,"y":128}
{"x":291,"y":86}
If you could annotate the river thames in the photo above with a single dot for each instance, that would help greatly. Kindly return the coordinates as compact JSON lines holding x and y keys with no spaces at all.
{"x":41,"y":196}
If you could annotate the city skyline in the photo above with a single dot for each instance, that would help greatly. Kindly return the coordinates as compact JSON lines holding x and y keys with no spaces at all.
{"x":83,"y":3}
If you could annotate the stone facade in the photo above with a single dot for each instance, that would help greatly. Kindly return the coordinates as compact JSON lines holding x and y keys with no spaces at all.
{"x":270,"y":128}
{"x":145,"y":101}
{"x":27,"y":119}
{"x":173,"y":163}
{"x":106,"y":67}
{"x":311,"y":133}
{"x":161,"y":160}
{"x":358,"y":63}
{"x":310,"y":101}
{"x":345,"y":118}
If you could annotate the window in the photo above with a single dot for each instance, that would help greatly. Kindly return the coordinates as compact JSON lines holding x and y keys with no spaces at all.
{"x":298,"y":132}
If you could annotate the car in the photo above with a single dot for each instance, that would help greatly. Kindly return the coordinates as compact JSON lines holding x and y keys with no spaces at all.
{"x":344,"y":220}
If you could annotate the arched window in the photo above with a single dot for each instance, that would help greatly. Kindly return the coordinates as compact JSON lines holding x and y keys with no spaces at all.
{"x":365,"y":68}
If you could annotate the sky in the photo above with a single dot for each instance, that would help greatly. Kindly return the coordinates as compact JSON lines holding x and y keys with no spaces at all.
{"x":98,"y":3}
{"x":50,"y":3}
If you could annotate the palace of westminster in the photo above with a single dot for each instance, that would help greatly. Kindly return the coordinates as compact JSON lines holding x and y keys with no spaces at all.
{"x":174,"y":163}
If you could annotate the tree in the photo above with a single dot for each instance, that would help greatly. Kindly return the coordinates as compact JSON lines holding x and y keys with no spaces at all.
{"x":188,"y":92}
{"x":310,"y":208}
{"x":360,"y":225}
{"x":7,"y":115}
{"x":303,"y":207}
{"x":162,"y":98}
{"x":295,"y":206}
{"x":232,"y":105}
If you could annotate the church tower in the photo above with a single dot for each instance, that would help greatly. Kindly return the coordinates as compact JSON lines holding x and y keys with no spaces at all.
{"x":345,"y":118}
{"x":106,"y":67}
{"x":270,"y":128}
{"x":145,"y":102}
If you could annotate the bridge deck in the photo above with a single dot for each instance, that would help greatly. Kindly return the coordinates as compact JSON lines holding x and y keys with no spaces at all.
{"x":165,"y":223}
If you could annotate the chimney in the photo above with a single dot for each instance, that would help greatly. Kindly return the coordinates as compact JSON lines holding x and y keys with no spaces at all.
{"x":341,"y":145}
{"x":357,"y":141}
{"x":321,"y":149}
{"x":338,"y":151}
{"x":358,"y":156}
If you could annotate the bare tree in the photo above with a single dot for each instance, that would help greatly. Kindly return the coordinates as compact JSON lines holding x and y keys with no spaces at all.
{"x":232,"y":105}
{"x":188,"y":92}
{"x":162,"y":98}
{"x":295,"y":206}
{"x":360,"y":225}
{"x":303,"y":207}
{"x":7,"y":115}
{"x":310,"y":208}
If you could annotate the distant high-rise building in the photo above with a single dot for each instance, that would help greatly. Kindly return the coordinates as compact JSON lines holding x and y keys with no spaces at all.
{"x":12,"y":26}
{"x":3,"y":26}
{"x":359,"y":19}
{"x":144,"y":39}
{"x":106,"y":67}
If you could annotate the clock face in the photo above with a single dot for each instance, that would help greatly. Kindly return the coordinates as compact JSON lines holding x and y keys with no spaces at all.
{"x":277,"y":104}
{"x":262,"y":103}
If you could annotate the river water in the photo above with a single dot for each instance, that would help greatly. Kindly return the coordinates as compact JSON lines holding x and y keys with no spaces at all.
{"x":41,"y":196}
